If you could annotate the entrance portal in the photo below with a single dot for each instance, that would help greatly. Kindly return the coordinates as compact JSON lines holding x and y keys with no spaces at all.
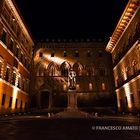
{"x":45,"y":99}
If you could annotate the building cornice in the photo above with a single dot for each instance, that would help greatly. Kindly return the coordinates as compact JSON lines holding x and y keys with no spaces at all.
{"x":17,"y":16}
{"x":128,"y":14}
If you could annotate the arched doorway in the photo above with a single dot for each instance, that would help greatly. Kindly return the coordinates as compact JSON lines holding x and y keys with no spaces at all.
{"x":44,"y":99}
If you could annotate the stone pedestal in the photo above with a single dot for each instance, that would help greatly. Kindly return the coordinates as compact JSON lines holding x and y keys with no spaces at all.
{"x":72,"y":110}
{"x":72,"y":100}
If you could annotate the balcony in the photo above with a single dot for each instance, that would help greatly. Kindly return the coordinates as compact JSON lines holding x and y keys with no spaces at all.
{"x":125,"y":49}
{"x":129,"y":78}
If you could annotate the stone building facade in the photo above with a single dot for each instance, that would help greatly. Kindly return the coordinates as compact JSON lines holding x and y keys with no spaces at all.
{"x":15,"y":59}
{"x":124,"y":45}
{"x":93,"y":66}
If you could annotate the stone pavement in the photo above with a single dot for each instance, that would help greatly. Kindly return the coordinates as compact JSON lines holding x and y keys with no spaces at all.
{"x":41,"y":127}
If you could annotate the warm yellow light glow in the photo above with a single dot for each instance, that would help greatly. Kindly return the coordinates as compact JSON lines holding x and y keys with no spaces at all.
{"x":127,"y":92}
{"x":90,"y":87}
{"x":77,"y":87}
{"x":15,"y":92}
{"x":64,"y":87}
{"x":118,"y":99}
{"x":103,"y":86}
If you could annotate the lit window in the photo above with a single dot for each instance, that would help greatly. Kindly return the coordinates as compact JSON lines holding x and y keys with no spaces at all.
{"x":65,"y":54}
{"x":88,"y":54}
{"x":64,"y":87}
{"x":19,"y":82}
{"x":77,"y":87}
{"x":7,"y":74}
{"x":90,"y":86}
{"x":76,"y":54}
{"x":14,"y":78}
{"x":103,"y":86}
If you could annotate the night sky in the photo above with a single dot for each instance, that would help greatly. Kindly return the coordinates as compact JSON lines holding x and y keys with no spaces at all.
{"x":71,"y":19}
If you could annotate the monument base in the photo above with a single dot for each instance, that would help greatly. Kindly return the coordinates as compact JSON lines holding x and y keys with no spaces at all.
{"x":72,"y":100}
{"x":72,"y":110}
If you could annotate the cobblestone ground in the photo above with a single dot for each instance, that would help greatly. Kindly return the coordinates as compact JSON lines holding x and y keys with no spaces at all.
{"x":43,"y":128}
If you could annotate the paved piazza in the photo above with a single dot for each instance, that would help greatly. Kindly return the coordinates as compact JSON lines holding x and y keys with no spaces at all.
{"x":36,"y":127}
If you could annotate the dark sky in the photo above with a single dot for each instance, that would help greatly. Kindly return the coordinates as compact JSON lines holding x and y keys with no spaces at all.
{"x":71,"y":19}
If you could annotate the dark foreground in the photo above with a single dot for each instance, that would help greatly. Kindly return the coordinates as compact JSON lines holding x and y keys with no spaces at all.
{"x":44,"y":128}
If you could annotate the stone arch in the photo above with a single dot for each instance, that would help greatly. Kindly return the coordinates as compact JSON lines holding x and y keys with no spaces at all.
{"x":41,"y":67}
{"x":64,"y":68}
{"x":52,"y":69}
{"x":89,"y":69}
{"x":78,"y":68}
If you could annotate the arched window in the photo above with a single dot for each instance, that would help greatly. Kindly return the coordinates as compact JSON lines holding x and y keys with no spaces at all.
{"x":65,"y":66}
{"x":53,"y":69}
{"x":102,"y":72}
{"x":78,"y":68}
{"x":89,"y":69}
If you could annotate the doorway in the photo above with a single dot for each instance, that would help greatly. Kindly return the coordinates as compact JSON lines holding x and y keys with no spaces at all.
{"x":45,"y":99}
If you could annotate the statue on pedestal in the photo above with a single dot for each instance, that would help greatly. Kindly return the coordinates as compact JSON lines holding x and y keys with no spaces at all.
{"x":72,"y":80}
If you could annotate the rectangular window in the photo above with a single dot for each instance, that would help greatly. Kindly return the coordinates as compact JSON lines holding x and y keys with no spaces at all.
{"x":90,"y":87}
{"x":11,"y":45}
{"x":10,"y":102}
{"x":3,"y":38}
{"x":88,"y":54}
{"x":132,"y":98}
{"x":100,"y":53}
{"x":20,"y":104}
{"x":102,"y":72}
{"x":17,"y":52}
{"x":7,"y":74}
{"x":103,"y":86}
{"x":3,"y":99}
{"x":16,"y":103}
{"x":25,"y":107}
{"x":52,"y":54}
{"x":1,"y":66}
{"x":15,"y":63}
{"x":64,"y":87}
{"x":65,"y":54}
{"x":21,"y":57}
{"x":40,"y":54}
{"x":77,"y":87}
{"x":19,"y":82}
{"x":76,"y":54}
{"x":14,"y":78}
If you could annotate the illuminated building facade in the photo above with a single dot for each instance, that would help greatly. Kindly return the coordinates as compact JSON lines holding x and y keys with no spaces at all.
{"x":124,"y":45}
{"x":15,"y":59}
{"x":90,"y":61}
